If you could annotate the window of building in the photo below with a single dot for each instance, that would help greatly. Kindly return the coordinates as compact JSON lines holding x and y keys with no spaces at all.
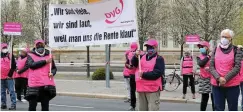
{"x":164,"y":40}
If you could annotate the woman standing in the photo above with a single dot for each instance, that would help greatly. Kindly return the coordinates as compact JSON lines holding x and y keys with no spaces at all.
{"x":204,"y":82}
{"x":41,"y":85}
{"x":187,"y":69}
{"x":21,"y":75}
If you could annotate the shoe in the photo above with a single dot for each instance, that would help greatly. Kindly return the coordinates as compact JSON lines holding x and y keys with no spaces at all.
{"x":193,"y":96}
{"x":132,"y":109}
{"x":23,"y":100}
{"x":12,"y":108}
{"x":3,"y":106}
{"x":184,"y":96}
{"x":127,"y":101}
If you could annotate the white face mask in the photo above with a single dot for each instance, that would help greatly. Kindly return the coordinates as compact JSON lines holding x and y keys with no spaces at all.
{"x":224,"y":43}
{"x":4,"y":50}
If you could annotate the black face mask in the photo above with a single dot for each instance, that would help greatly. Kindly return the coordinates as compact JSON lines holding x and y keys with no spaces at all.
{"x":40,"y":49}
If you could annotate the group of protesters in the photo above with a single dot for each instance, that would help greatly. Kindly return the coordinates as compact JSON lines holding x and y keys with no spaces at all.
{"x":221,"y":74}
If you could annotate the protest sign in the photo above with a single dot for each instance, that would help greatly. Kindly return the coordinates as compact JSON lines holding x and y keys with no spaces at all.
{"x":110,"y":22}
{"x":192,"y":39}
{"x":12,"y":28}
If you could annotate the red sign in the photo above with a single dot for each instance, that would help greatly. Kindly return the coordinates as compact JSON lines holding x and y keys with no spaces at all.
{"x":192,"y":39}
{"x":11,"y":28}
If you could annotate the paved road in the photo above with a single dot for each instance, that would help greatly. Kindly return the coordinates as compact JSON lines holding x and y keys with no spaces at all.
{"x":64,"y":103}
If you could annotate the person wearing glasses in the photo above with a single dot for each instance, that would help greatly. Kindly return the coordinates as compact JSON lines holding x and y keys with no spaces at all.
{"x":225,"y":66}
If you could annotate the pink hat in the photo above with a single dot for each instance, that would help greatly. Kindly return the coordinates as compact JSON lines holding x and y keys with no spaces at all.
{"x":152,"y":42}
{"x":39,"y":41}
{"x":4,"y":45}
{"x":133,"y":46}
{"x":204,"y":43}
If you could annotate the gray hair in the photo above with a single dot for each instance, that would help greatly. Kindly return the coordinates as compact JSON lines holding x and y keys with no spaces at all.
{"x":230,"y":32}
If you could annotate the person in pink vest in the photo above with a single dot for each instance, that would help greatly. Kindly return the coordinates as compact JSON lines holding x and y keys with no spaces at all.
{"x":225,"y":67}
{"x":241,"y":75}
{"x":187,"y":69}
{"x":21,"y":75}
{"x":130,"y":71}
{"x":41,"y":84}
{"x":127,"y":76}
{"x":7,"y":81}
{"x":204,"y":82}
{"x":149,"y":79}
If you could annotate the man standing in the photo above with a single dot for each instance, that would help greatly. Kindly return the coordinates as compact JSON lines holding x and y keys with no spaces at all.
{"x":225,"y":67}
{"x":149,"y":79}
{"x":6,"y":77}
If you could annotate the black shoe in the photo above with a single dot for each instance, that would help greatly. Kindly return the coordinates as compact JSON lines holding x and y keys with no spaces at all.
{"x":12,"y":108}
{"x":127,"y":101}
{"x":3,"y":106}
{"x":132,"y":109}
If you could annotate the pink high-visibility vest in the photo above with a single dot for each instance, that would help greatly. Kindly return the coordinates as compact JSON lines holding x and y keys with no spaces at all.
{"x":143,"y":85}
{"x":203,"y":72}
{"x":126,"y":71}
{"x":40,"y":77}
{"x":5,"y":67}
{"x":223,"y":64}
{"x":20,"y":65}
{"x":187,"y":66}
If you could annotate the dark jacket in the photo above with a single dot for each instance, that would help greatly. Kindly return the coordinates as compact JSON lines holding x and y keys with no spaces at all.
{"x":237,"y":63}
{"x":202,"y":62}
{"x":13,"y":63}
{"x":35,"y":65}
{"x":159,"y":68}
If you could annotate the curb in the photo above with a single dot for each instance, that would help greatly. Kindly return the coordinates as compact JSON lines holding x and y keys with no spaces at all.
{"x":122,"y":97}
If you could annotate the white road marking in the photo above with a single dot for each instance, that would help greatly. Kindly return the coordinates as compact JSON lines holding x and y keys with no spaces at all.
{"x":69,"y":106}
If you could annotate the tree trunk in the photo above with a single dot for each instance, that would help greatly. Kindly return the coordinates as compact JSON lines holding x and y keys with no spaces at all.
{"x":182,"y":50}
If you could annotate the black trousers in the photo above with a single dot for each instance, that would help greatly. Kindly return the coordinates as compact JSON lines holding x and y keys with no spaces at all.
{"x":133,"y":90}
{"x":204,"y":102}
{"x":185,"y":83}
{"x":21,"y":86}
{"x":43,"y":97}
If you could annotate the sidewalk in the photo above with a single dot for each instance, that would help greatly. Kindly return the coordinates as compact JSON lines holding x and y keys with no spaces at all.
{"x":97,"y":89}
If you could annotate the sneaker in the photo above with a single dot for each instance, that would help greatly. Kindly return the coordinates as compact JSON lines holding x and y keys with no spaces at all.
{"x":132,"y":109}
{"x":3,"y":106}
{"x":193,"y":96}
{"x":184,"y":96}
{"x":127,"y":101}
{"x":12,"y":108}
{"x":23,"y":100}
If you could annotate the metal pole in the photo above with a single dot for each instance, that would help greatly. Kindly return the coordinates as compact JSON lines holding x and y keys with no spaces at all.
{"x":88,"y":61}
{"x":107,"y":73}
{"x":11,"y":48}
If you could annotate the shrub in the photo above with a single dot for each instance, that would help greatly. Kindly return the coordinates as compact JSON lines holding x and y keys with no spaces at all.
{"x":99,"y":74}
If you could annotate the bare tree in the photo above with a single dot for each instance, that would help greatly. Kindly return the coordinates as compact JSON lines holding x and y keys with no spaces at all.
{"x":147,"y":18}
{"x":211,"y":16}
{"x":10,"y":12}
{"x":204,"y":17}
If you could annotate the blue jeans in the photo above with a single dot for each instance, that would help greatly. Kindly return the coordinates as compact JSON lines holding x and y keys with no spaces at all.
{"x":8,"y":84}
{"x":241,"y":87}
{"x":231,"y":94}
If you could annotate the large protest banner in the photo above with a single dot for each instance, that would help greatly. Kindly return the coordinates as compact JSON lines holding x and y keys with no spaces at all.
{"x":110,"y":22}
